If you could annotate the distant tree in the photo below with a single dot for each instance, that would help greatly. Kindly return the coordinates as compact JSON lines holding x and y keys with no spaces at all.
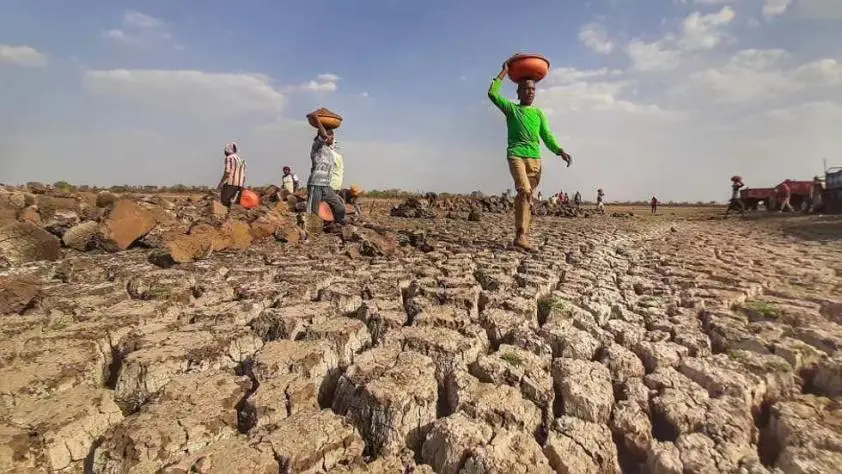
{"x":63,"y":186}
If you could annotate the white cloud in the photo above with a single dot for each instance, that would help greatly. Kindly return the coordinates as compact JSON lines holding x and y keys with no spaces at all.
{"x":704,"y":32}
{"x":753,"y":75}
{"x":26,"y":56}
{"x":773,"y":8}
{"x":141,"y":20}
{"x":698,"y":33}
{"x":564,"y":75}
{"x":202,"y":95}
{"x":322,"y":83}
{"x":593,"y":36}
{"x":655,"y":56}
{"x":140,"y":29}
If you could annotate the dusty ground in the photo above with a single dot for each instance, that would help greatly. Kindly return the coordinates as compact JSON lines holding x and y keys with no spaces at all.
{"x":665,"y":344}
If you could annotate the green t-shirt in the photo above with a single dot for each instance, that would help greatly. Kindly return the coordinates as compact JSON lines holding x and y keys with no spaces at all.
{"x":525,"y":124}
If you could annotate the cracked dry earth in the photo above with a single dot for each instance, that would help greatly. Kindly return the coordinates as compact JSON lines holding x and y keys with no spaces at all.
{"x":626,"y":345}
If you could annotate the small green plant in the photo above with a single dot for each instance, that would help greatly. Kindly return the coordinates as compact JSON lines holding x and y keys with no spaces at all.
{"x":546,"y":304}
{"x":737,"y":355}
{"x":761,"y":309}
{"x":158,"y":292}
{"x":512,"y":358}
{"x":778,"y":366}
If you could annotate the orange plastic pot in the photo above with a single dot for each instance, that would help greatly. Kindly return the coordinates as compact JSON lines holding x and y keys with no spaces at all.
{"x":528,"y":66}
{"x":328,"y":119}
{"x":326,"y":213}
{"x":249,"y":199}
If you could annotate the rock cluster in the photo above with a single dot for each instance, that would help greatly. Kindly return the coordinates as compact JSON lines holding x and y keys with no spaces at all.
{"x":40,"y":226}
{"x":473,"y":207}
{"x":624,"y":345}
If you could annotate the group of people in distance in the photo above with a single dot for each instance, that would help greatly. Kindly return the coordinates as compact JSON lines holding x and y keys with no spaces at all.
{"x":324,"y":183}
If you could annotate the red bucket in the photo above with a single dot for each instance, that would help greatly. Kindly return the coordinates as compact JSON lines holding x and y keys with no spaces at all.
{"x":249,"y":199}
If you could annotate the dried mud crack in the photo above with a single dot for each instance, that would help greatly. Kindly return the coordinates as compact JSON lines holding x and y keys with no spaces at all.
{"x":624,"y":345}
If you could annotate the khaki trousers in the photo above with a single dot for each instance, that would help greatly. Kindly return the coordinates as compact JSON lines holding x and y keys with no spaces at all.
{"x":527,"y":174}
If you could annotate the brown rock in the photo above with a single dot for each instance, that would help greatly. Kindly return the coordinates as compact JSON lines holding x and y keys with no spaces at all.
{"x":124,"y":223}
{"x":209,"y":232}
{"x":217,"y":210}
{"x":266,"y":226}
{"x":17,"y":200}
{"x":81,"y":237}
{"x":22,"y":242}
{"x":106,"y":198}
{"x":182,"y":248}
{"x":375,"y":244}
{"x":30,"y":214}
{"x":17,"y":293}
{"x":60,"y":221}
{"x":238,"y":233}
{"x":290,"y":234}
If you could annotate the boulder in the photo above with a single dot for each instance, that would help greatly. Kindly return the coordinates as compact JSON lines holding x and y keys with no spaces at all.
{"x":22,"y":242}
{"x":17,"y":293}
{"x":81,"y":237}
{"x":124,"y":223}
{"x":238,"y":234}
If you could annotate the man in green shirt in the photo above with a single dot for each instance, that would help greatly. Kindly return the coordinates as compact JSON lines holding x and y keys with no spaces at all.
{"x":525,"y":124}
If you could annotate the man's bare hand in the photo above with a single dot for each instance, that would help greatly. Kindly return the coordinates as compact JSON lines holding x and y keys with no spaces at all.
{"x":566,"y":157}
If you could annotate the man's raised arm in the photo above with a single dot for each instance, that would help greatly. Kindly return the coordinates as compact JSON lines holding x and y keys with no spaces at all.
{"x":494,"y":91}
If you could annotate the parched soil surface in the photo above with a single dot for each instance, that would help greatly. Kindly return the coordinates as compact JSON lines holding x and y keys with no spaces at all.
{"x":637,"y":344}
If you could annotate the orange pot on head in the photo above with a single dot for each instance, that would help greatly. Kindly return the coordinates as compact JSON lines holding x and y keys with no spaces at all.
{"x":528,"y":66}
{"x":329,"y":123}
{"x":328,"y":119}
{"x":249,"y":199}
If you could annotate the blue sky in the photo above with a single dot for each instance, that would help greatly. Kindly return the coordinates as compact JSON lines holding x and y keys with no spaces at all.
{"x":650,"y":96}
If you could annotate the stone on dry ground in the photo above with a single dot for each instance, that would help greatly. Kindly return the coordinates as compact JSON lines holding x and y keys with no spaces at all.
{"x":625,"y":345}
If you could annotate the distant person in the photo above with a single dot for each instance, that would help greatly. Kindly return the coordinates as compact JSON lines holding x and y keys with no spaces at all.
{"x":351,"y":196}
{"x":577,"y":199}
{"x":600,"y":205}
{"x":654,"y":204}
{"x":321,"y":168}
{"x":289,"y":181}
{"x":526,"y":127}
{"x":785,"y":193}
{"x":736,"y":203}
{"x":233,"y":178}
{"x":816,"y":191}
{"x":554,"y":200}
{"x":566,"y":199}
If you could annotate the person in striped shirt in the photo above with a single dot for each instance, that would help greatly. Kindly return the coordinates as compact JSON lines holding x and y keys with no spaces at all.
{"x":234,"y":178}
